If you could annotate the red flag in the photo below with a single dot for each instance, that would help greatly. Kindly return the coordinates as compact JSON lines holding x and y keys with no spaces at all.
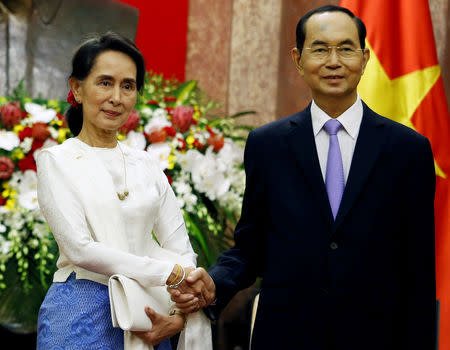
{"x":403,"y":81}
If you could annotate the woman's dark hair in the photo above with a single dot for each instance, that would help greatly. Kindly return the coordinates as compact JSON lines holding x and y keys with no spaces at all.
{"x":301,"y":25}
{"x":84,"y":58}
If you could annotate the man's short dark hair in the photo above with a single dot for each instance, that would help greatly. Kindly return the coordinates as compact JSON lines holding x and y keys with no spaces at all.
{"x":301,"y":25}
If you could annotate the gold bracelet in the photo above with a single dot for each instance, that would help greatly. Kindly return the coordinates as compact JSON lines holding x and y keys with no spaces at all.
{"x":176,"y":277}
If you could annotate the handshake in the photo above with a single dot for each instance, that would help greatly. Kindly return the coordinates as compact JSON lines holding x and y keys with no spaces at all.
{"x":191,"y":288}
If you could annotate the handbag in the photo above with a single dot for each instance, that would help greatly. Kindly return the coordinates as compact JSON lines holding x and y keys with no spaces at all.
{"x":128,"y":300}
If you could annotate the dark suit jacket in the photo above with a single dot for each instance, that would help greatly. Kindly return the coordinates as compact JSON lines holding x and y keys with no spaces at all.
{"x":364,"y":281}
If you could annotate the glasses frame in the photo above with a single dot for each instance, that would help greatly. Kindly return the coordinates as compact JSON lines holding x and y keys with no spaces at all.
{"x":330,"y":49}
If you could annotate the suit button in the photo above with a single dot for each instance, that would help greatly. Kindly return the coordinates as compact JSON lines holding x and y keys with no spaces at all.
{"x":333,"y":245}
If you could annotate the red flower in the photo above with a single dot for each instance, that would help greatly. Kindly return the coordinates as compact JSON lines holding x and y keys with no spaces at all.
{"x":157,"y":136}
{"x":71,"y":99}
{"x":6,"y":168}
{"x":131,"y":124}
{"x":152,"y":102}
{"x":210,"y":130}
{"x":11,"y":114}
{"x":40,"y":132}
{"x":169,"y":98}
{"x":2,"y":200}
{"x":62,"y":118}
{"x":36,"y":144}
{"x":183,"y":145}
{"x":197,"y":144}
{"x":27,"y":163}
{"x":169,"y":178}
{"x":182,"y":117}
{"x":217,"y":141}
{"x":27,"y":132}
{"x":170,"y":131}
{"x":169,"y":110}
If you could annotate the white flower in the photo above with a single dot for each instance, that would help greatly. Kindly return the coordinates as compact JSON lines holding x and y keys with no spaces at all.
{"x":158,"y":121}
{"x":8,"y":140}
{"x":135,"y":139}
{"x":159,"y":113}
{"x":190,"y":159}
{"x":209,"y":178}
{"x":53,"y":132}
{"x":39,"y":113}
{"x":160,"y":152}
{"x":185,"y":198}
{"x":231,"y":200}
{"x":182,"y":187}
{"x":5,"y":246}
{"x":40,"y":230}
{"x":146,"y":112}
{"x":28,"y":191}
{"x":2,"y":228}
{"x":231,"y":153}
{"x":26,"y":144}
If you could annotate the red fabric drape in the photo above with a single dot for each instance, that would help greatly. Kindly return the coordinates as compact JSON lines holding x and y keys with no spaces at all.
{"x":162,"y":35}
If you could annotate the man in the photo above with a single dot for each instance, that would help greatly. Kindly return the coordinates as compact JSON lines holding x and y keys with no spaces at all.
{"x":337,"y":217}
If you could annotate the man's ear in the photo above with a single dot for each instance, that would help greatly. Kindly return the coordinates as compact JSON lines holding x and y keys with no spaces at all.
{"x":366,"y":59}
{"x":297,"y":58}
{"x":75,"y":86}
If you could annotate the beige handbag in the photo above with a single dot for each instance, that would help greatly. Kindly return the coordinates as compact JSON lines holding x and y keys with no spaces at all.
{"x":128,"y":300}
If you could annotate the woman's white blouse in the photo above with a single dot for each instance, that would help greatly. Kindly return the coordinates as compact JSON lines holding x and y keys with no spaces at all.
{"x":151,"y":206}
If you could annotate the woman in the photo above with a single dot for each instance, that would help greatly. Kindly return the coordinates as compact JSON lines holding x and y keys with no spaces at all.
{"x":102,"y":201}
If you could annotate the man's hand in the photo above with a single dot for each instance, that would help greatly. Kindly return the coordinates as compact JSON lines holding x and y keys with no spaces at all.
{"x":196,"y":291}
{"x":163,"y":327}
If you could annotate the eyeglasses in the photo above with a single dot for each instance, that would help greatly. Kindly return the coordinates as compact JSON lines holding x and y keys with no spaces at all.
{"x":322,"y":52}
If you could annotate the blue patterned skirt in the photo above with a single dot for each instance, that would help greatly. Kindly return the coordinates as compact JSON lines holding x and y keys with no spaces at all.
{"x":75,"y":315}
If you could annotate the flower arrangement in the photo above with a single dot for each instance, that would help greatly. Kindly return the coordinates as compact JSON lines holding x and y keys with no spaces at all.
{"x":201,"y":155}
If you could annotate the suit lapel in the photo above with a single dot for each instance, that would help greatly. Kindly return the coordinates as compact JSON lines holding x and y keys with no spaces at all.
{"x":370,"y":140}
{"x":301,"y":142}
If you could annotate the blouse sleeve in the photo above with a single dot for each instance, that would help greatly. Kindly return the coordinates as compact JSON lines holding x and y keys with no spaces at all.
{"x":170,"y":229}
{"x":65,"y":215}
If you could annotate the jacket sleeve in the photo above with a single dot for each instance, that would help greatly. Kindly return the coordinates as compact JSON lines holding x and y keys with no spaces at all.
{"x":419,"y":222}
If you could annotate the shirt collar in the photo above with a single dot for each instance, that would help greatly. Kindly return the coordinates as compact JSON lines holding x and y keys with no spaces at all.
{"x":350,"y":119}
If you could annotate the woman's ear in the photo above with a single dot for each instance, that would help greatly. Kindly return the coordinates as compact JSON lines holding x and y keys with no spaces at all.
{"x":75,"y":86}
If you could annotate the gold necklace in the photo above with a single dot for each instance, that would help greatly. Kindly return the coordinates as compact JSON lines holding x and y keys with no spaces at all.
{"x":125,"y":193}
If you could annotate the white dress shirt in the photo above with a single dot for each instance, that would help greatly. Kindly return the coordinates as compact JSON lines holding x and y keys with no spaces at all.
{"x":151,"y":206}
{"x":347,"y":135}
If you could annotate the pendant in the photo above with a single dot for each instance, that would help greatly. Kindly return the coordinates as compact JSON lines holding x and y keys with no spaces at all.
{"x":122,"y":196}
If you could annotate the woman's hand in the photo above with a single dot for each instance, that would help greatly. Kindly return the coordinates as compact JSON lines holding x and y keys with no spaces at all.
{"x":163,"y":327}
{"x":197,"y":291}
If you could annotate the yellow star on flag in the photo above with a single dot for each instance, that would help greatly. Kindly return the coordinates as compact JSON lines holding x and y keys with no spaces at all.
{"x":397,"y":98}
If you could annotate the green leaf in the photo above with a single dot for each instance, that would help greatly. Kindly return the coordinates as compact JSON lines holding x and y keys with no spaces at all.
{"x":195,"y":231}
{"x":241,"y":114}
{"x":184,"y":90}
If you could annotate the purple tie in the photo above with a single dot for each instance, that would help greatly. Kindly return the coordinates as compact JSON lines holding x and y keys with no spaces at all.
{"x":334,"y":179}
